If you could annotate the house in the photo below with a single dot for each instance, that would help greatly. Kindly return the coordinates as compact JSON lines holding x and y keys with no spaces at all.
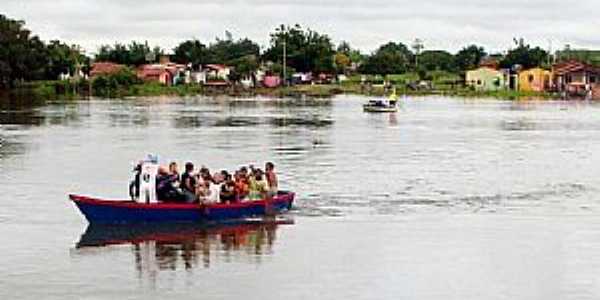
{"x":487,"y":79}
{"x":105,"y":68}
{"x":575,"y":78}
{"x":535,"y":80}
{"x":167,"y":74}
{"x":155,"y":73}
{"x":271,"y":81}
{"x":217,"y":72}
{"x":259,"y":75}
{"x":324,"y":78}
{"x":302,"y":78}
{"x":197,"y":77}
{"x":76,"y":76}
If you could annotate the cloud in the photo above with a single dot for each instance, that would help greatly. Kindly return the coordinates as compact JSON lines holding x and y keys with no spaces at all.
{"x":448,"y":24}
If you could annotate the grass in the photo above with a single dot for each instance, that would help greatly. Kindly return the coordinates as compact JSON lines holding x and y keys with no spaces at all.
{"x":52,"y":89}
{"x":503,"y":94}
{"x":157,"y":89}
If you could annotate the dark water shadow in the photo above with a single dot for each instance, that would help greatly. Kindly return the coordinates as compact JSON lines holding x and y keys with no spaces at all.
{"x":183,"y":246}
{"x":310,"y":122}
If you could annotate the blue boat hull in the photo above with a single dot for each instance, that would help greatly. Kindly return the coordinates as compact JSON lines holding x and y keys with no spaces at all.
{"x":100,"y":211}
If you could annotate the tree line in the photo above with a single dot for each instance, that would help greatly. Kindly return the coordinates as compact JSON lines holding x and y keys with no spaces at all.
{"x":25,"y":57}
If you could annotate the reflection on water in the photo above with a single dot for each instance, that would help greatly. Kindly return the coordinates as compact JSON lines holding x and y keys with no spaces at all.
{"x":183,"y":246}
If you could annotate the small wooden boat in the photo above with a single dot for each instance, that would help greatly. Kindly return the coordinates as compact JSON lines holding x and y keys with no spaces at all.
{"x":100,"y":211}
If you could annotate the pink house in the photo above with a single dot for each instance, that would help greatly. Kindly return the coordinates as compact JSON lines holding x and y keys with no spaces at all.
{"x":271,"y":81}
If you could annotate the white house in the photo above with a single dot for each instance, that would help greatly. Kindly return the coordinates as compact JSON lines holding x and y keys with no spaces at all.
{"x":217,"y":72}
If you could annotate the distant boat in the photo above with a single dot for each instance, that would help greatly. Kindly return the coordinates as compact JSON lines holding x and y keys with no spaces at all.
{"x":382,"y":106}
{"x":377,"y":106}
{"x":99,"y":211}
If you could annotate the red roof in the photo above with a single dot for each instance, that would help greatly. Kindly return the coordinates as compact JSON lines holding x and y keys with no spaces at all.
{"x":573,"y":66}
{"x":216,"y":66}
{"x":105,"y":68}
{"x":157,"y":70}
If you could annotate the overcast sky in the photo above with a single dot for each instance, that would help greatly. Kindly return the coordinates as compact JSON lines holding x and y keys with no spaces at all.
{"x":442,"y":24}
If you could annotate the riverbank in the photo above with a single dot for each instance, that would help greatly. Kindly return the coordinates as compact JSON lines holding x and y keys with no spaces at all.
{"x":68,"y":90}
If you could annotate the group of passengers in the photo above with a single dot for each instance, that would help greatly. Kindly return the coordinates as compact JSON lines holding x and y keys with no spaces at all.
{"x":200,"y":186}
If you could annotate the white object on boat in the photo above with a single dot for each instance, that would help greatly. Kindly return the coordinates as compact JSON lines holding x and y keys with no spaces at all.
{"x":148,"y":182}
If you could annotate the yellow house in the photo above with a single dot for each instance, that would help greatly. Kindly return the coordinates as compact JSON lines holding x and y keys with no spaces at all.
{"x":535,"y":80}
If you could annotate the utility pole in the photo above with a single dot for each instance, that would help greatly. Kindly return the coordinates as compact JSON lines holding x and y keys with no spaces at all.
{"x":284,"y":63}
{"x":417,"y":46}
{"x":550,"y":55}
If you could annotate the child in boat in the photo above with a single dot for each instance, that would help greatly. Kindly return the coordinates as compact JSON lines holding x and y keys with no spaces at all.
{"x":272,"y":182}
{"x":257,"y":185}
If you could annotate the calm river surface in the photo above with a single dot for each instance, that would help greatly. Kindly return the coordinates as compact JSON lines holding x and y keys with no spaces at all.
{"x":447,"y":199}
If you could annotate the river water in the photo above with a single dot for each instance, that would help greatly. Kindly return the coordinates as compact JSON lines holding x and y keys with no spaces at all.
{"x":448,"y":199}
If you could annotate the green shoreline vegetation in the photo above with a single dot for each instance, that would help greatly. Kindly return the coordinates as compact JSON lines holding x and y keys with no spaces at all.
{"x":52,"y":90}
{"x":29,"y":65}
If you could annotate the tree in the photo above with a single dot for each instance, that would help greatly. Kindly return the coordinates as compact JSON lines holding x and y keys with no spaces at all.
{"x":391,"y":58}
{"x":226,"y":51}
{"x":353,"y":55}
{"x":469,"y":57}
{"x":307,"y":50}
{"x":437,"y":60}
{"x":107,"y":85}
{"x":525,"y":56}
{"x":243,"y":67}
{"x":64,"y":59}
{"x":191,"y":51}
{"x":22,"y":56}
{"x":134,"y":54}
{"x":342,"y":62}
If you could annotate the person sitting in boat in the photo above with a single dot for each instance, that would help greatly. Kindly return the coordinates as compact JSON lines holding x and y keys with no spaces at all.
{"x":257,"y":185}
{"x":227,"y":193}
{"x":204,"y":182}
{"x":188,"y":183}
{"x":241,"y":185}
{"x":203,"y":192}
{"x":215,"y":188}
{"x":271,"y":177}
{"x":167,"y":184}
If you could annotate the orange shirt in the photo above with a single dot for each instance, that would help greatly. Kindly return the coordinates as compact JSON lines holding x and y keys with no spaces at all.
{"x":241,"y":189}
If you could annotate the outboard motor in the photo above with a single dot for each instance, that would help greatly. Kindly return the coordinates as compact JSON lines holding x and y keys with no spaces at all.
{"x":148,"y":180}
